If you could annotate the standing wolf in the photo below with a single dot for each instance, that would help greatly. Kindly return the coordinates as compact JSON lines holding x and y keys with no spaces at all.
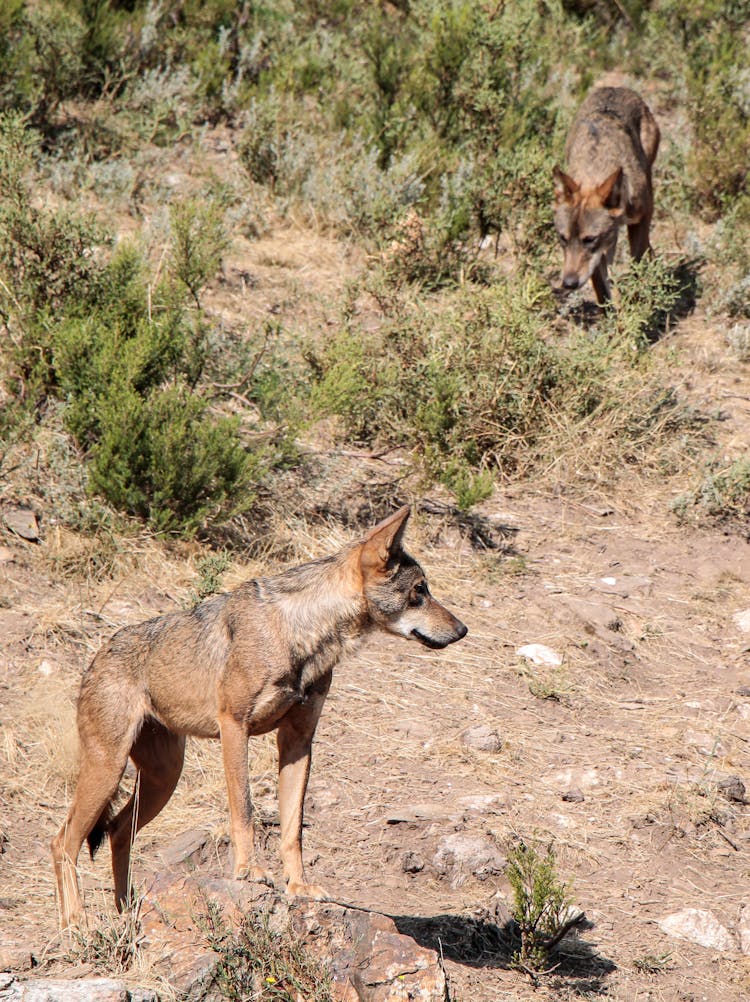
{"x":610,"y":150}
{"x":254,"y":660}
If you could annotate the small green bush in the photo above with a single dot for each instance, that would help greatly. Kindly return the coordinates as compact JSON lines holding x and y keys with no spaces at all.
{"x":723,"y":497}
{"x":541,"y":904}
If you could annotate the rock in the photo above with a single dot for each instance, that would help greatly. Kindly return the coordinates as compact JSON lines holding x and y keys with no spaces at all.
{"x":706,"y":743}
{"x":63,"y":990}
{"x":698,"y":926}
{"x":366,"y":955}
{"x":484,"y":803}
{"x":743,"y":928}
{"x":47,"y":668}
{"x":6,"y":556}
{"x":741,"y":620}
{"x":624,"y":585}
{"x":21,"y":520}
{"x":573,"y":796}
{"x":538,"y":654}
{"x":482,"y":738}
{"x":412,"y":862}
{"x":732,"y":788}
{"x":461,"y":856}
{"x":186,"y":848}
{"x":581,"y":779}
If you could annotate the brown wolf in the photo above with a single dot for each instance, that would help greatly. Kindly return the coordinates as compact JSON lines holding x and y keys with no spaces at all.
{"x":247,"y":662}
{"x":610,"y":150}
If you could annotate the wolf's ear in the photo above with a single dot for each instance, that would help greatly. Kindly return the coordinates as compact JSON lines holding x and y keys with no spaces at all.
{"x":384,"y":540}
{"x":609,"y":190}
{"x":565,"y":186}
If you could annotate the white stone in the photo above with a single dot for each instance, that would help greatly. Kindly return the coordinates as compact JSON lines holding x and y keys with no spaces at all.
{"x":538,"y":654}
{"x":742,"y":620}
{"x":698,"y":926}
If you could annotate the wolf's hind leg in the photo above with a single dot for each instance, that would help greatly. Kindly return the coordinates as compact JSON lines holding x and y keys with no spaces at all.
{"x":102,"y":766}
{"x":159,"y":756}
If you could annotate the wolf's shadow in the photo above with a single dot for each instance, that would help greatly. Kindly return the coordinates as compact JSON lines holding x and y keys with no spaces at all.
{"x":479,"y":942}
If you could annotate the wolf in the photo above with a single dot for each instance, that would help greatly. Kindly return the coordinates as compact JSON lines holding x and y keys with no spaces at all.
{"x":253,"y":660}
{"x":610,"y":150}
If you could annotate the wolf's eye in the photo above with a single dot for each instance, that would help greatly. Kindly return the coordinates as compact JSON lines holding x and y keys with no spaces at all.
{"x":590,"y":242}
{"x":419,"y":592}
{"x":563,"y":240}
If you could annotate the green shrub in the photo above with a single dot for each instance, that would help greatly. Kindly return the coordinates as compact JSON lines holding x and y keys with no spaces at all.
{"x":541,"y":904}
{"x":723,"y":497}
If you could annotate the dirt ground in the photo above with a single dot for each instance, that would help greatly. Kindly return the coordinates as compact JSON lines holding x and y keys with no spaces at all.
{"x":615,"y":756}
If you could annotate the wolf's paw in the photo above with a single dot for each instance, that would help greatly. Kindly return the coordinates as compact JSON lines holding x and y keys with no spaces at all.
{"x":301,"y":889}
{"x":257,"y":874}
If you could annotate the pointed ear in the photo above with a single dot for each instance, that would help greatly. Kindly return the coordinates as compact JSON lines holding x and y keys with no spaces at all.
{"x":384,"y":540}
{"x":609,"y":190}
{"x":565,"y":186}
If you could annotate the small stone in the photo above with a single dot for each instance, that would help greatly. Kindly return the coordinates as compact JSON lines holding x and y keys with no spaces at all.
{"x":412,"y":862}
{"x":741,"y":620}
{"x":46,"y":668}
{"x":539,"y":654}
{"x":6,"y":555}
{"x":460,"y":856}
{"x":743,"y":928}
{"x":573,"y":796}
{"x":21,"y":520}
{"x":732,"y":788}
{"x":482,"y":738}
{"x":698,"y":926}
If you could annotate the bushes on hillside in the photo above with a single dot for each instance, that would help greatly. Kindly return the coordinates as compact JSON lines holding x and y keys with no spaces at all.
{"x":125,"y":353}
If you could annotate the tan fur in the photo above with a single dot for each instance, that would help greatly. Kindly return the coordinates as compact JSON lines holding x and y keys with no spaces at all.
{"x":253,"y":660}
{"x":610,"y":150}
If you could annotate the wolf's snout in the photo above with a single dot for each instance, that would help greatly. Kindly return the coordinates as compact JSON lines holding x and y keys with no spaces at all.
{"x":461,"y":631}
{"x":570,"y":281}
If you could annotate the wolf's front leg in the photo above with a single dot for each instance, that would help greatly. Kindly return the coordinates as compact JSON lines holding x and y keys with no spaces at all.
{"x":234,"y":752}
{"x":294,"y":739}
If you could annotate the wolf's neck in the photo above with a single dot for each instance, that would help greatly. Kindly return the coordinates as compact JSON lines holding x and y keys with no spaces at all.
{"x":323,"y":615}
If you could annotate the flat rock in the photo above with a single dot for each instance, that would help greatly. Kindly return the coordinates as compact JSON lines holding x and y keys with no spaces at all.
{"x":186,"y":848}
{"x":698,"y":926}
{"x":22,"y":521}
{"x":64,"y":990}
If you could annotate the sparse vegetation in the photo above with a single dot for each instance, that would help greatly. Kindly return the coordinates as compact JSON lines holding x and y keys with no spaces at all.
{"x":541,"y":904}
{"x":259,"y":962}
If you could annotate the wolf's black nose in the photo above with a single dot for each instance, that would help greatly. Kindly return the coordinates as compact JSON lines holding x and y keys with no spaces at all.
{"x":462,"y":631}
{"x":570,"y":282}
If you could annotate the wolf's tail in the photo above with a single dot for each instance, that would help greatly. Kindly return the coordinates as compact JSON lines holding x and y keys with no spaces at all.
{"x":101,"y":828}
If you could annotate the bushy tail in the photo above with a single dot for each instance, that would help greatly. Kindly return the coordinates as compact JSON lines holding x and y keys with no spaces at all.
{"x":100,"y":829}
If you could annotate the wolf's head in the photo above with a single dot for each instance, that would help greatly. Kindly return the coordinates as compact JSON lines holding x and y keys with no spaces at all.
{"x":395,"y":588}
{"x":587,"y":221}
